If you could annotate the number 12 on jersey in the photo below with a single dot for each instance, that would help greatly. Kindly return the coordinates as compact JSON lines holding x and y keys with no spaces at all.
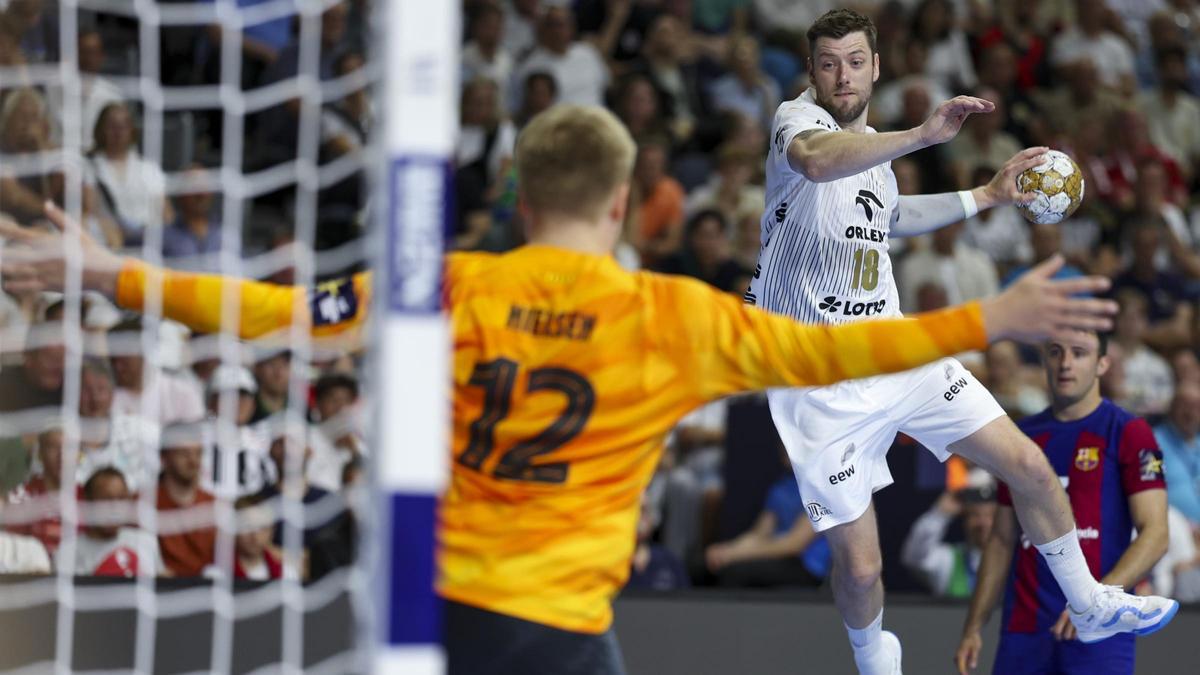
{"x":498,"y":379}
{"x":865,"y":274}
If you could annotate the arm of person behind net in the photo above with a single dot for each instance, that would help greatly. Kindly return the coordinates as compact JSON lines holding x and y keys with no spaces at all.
{"x":1148,"y":510}
{"x":197,"y":301}
{"x":823,"y":156}
{"x":989,"y":586}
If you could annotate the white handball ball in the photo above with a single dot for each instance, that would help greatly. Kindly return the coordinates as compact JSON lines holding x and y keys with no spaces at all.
{"x":1057,"y":184}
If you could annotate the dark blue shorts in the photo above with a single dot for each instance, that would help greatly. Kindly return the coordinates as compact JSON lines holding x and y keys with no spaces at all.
{"x":1041,"y":654}
{"x":479,"y":642}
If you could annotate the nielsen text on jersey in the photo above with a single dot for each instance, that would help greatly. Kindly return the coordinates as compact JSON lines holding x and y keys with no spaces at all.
{"x":545,"y":323}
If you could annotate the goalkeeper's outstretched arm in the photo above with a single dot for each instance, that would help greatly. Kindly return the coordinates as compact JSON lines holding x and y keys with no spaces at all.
{"x":38,"y":262}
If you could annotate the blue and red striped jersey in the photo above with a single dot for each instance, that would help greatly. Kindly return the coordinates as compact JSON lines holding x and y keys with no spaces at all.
{"x":1101,"y":459}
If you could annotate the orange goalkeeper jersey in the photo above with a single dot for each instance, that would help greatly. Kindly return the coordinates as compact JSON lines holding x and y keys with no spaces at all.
{"x":568,"y":374}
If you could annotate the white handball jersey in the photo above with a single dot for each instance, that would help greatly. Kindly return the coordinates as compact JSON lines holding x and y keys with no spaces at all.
{"x":824,"y":255}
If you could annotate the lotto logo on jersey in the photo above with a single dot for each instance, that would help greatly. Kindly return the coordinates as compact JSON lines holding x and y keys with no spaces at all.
{"x":1087,"y":459}
{"x":833,"y":305}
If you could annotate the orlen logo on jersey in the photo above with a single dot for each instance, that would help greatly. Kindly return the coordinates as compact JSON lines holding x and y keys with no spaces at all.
{"x":832,"y":305}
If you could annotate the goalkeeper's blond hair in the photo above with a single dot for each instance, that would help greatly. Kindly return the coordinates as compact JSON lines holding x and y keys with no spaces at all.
{"x":571,"y":159}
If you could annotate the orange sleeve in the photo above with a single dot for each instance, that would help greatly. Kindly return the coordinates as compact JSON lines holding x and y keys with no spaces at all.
{"x":196,"y":300}
{"x":739,"y":348}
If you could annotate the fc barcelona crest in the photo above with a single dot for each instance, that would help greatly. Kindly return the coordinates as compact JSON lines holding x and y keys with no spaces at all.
{"x":1087,"y":459}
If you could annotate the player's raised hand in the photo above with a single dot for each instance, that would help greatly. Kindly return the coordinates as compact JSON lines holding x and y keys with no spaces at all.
{"x":35,"y":260}
{"x":1037,"y":306}
{"x":948,"y":118}
{"x":967,"y":657}
{"x":1002,"y":188}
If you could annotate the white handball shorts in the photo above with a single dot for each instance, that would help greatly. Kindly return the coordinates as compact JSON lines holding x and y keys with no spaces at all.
{"x":837,"y":437}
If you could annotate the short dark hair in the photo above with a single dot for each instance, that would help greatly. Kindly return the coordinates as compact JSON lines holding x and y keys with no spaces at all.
{"x":838,"y":23}
{"x":1101,"y":340}
{"x":109,"y":471}
{"x":330,"y":381}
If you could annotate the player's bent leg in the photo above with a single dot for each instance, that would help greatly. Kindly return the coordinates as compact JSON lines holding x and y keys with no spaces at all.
{"x":1038,"y":496}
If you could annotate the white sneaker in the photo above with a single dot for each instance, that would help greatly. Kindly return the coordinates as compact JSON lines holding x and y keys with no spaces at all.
{"x":1114,"y":611}
{"x":884,"y":660}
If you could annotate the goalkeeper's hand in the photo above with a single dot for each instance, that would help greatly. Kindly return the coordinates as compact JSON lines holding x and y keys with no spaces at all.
{"x":33,"y":260}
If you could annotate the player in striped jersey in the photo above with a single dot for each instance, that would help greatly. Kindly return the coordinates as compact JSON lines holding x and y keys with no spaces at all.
{"x":832,"y":204}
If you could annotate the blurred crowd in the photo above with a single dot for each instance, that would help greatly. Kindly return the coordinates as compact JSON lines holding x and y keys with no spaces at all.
{"x":1114,"y":83}
{"x":154,"y":444}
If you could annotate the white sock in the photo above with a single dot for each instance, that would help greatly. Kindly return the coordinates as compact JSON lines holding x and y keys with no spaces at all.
{"x":1070,"y":570}
{"x":865,"y":639}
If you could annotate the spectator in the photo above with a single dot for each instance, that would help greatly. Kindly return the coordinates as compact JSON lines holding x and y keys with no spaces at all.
{"x":638,"y":106}
{"x":254,"y":558}
{"x":329,"y":543}
{"x":141,"y":389}
{"x":949,"y":569}
{"x":660,"y":230}
{"x":1006,"y":380}
{"x":1125,"y":158}
{"x":190,"y":539}
{"x":107,"y":549}
{"x":910,"y":97}
{"x":1000,"y":71}
{"x":539,"y":91}
{"x":95,"y":90}
{"x":486,"y":138}
{"x":25,"y":129}
{"x":731,"y":190}
{"x":1089,"y":40}
{"x":134,"y":189}
{"x":1179,"y":438}
{"x":196,"y":229}
{"x":999,"y":232}
{"x":1176,"y":250}
{"x":37,"y":382}
{"x":34,"y":507}
{"x":262,"y":43}
{"x":1168,"y":310}
{"x":653,"y":566}
{"x":118,"y":440}
{"x":705,"y":253}
{"x":33,"y":26}
{"x":1172,"y":113}
{"x":984,"y":143}
{"x":520,"y":26}
{"x":335,"y":398}
{"x":677,"y":82}
{"x":333,"y":35}
{"x":949,"y":61}
{"x":964,"y":272}
{"x":693,"y":482}
{"x":577,"y":66}
{"x":272,"y":372}
{"x":239,"y":463}
{"x":1045,"y":240}
{"x":746,"y":89}
{"x":346,"y":123}
{"x":484,"y":55}
{"x":781,"y":549}
{"x":1148,"y":382}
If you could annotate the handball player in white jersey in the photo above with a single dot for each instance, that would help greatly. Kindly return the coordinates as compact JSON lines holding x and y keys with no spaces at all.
{"x":831,"y":207}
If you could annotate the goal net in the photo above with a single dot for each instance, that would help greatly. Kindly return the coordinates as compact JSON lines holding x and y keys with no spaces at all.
{"x":178,"y":498}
